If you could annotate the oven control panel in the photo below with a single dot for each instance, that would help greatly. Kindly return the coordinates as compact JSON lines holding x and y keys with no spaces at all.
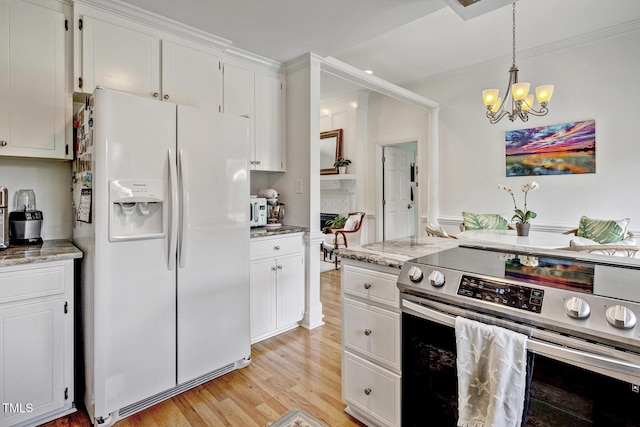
{"x":507,"y":294}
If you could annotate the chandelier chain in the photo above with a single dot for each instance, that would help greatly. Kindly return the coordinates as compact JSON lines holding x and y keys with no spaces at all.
{"x":514,"y":33}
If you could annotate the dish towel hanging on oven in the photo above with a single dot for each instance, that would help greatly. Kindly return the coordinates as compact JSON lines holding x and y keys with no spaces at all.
{"x":492,"y":371}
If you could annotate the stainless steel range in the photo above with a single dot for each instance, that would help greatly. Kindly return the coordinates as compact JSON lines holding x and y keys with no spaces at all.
{"x":579,"y":314}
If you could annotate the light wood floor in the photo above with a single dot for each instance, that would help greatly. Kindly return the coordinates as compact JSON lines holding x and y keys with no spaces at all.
{"x":297,"y":369}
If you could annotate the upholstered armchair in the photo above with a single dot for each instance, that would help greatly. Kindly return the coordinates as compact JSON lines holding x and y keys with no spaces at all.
{"x":336,"y":238}
{"x":474,"y":221}
{"x":603,"y":237}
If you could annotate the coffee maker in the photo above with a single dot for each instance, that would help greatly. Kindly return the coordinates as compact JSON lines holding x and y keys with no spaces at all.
{"x":25,"y":223}
{"x":4,"y":218}
{"x":275,"y":209}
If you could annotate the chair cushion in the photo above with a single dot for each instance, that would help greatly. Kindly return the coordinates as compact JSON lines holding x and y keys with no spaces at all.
{"x":352,"y":223}
{"x":474,"y":221}
{"x":603,"y":231}
{"x":330,"y":239}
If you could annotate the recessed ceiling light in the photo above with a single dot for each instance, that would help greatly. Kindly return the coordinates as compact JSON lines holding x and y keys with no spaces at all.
{"x":368,"y":71}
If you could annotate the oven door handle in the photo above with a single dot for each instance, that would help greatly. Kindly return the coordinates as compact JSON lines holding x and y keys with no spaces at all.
{"x":602,"y":364}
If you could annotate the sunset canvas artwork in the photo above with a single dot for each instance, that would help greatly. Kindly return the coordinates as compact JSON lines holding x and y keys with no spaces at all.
{"x":568,"y":148}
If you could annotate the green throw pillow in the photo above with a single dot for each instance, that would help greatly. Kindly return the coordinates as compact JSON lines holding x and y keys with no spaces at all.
{"x":473,"y":221}
{"x":601,"y":230}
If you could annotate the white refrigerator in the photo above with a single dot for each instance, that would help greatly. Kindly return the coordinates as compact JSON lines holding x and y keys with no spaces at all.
{"x":160,"y":197}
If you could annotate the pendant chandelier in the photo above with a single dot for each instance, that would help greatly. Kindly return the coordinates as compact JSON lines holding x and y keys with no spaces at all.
{"x":521,"y":100}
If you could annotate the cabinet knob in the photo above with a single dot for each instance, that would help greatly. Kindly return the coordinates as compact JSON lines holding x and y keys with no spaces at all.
{"x":367,"y":285}
{"x":165,"y":97}
{"x":276,"y":248}
{"x":273,"y":269}
{"x":156,"y":94}
{"x":367,"y":391}
{"x":279,"y":267}
{"x":367,"y":332}
{"x":3,"y":143}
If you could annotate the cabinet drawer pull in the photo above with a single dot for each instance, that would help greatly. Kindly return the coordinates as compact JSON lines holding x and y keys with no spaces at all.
{"x":166,"y":97}
{"x":367,"y":332}
{"x":156,"y":94}
{"x":3,"y":143}
{"x":276,"y":248}
{"x":367,"y":391}
{"x":367,"y":285}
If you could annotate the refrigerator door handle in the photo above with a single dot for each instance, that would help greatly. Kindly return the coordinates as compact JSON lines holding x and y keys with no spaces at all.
{"x":173,"y":218}
{"x":184,"y":221}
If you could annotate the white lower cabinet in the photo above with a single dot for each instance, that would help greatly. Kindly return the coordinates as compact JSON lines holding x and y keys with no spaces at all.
{"x":276,"y":285}
{"x":36,"y":342}
{"x":371,"y":343}
{"x":371,"y":390}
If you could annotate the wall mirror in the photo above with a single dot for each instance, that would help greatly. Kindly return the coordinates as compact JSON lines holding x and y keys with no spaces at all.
{"x":330,"y":150}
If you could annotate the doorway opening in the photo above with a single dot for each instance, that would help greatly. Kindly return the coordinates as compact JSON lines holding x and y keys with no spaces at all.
{"x":398,"y":190}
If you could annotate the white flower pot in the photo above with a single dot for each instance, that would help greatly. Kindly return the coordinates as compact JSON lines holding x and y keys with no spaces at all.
{"x":342,"y":169}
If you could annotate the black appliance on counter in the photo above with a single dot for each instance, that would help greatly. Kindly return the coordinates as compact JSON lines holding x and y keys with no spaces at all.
{"x":579,"y":314}
{"x":25,"y":223}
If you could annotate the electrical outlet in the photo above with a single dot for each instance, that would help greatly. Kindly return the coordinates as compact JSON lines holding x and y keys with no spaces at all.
{"x":298,"y":186}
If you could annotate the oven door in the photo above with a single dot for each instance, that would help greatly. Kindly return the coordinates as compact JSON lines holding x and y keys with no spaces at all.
{"x":560,"y":393}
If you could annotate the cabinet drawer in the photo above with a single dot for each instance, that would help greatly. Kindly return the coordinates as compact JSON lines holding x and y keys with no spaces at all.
{"x":373,"y":331}
{"x":372,"y":285}
{"x":18,"y":283}
{"x":371,"y":389}
{"x":262,"y":247}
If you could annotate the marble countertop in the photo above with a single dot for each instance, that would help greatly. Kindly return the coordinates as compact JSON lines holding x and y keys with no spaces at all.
{"x":49,"y":250}
{"x":285,"y":229}
{"x":393,"y":253}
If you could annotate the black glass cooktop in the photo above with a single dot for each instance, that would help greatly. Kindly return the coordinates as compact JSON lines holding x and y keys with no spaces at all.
{"x":621,"y":282}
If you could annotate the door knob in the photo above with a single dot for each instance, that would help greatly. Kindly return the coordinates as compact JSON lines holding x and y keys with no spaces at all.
{"x":166,"y":97}
{"x":156,"y":94}
{"x":3,"y":143}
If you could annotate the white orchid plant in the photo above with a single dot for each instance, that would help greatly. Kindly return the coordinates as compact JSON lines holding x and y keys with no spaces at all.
{"x":522,"y":215}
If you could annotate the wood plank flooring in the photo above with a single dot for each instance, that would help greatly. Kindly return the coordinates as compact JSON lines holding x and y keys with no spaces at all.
{"x":297,"y":369}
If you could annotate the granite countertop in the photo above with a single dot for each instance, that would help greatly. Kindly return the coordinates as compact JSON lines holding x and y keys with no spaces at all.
{"x":285,"y":229}
{"x":49,"y":250}
{"x":393,"y":253}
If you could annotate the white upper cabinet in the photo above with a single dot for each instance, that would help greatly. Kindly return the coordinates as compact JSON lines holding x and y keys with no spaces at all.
{"x":32,"y":81}
{"x":117,"y":57}
{"x":269,"y":122}
{"x":261,"y":98}
{"x":190,"y":76}
{"x":118,"y":54}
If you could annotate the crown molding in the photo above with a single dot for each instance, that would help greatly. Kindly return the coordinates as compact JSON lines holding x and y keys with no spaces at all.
{"x":303,"y":61}
{"x":175,"y":28}
{"x":352,"y":74}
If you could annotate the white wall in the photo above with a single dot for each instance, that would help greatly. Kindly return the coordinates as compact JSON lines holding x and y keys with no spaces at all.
{"x":592,"y":81}
{"x":392,"y":122}
{"x":51,"y":182}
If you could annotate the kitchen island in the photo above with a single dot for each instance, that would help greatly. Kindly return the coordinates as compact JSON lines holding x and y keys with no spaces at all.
{"x":393,"y":253}
{"x":371,"y":325}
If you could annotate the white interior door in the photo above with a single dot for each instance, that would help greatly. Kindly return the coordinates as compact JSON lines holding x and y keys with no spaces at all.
{"x":398,"y":197}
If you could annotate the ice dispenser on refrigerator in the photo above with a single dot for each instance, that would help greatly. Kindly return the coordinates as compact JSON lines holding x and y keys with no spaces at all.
{"x":136,"y":210}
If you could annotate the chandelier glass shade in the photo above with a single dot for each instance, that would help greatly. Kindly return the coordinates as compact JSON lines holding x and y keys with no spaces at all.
{"x":517,"y":96}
